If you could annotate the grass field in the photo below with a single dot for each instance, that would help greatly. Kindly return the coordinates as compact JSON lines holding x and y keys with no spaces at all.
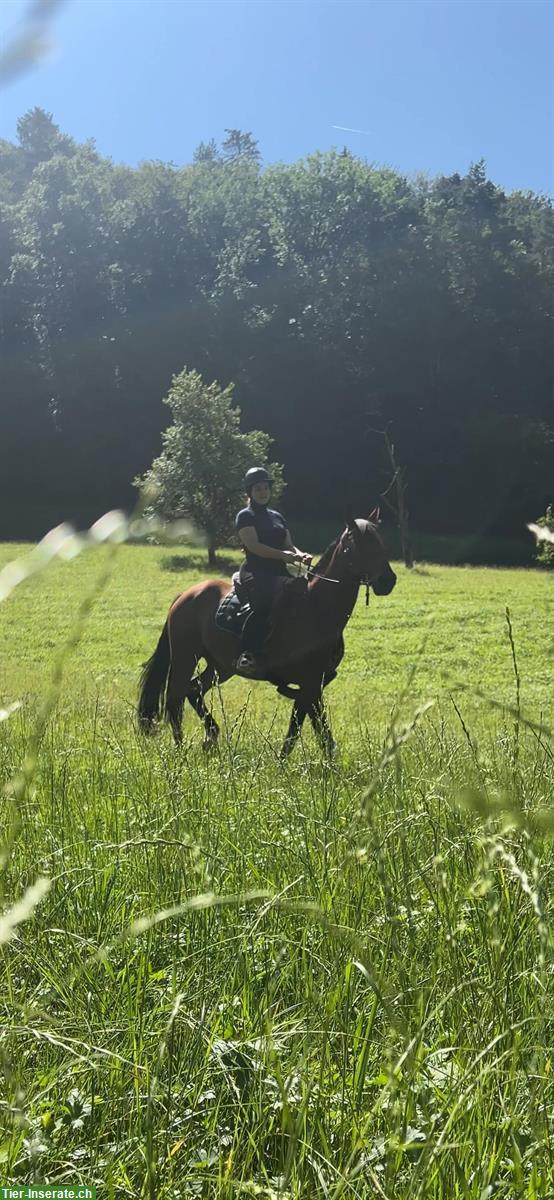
{"x":303,"y":982}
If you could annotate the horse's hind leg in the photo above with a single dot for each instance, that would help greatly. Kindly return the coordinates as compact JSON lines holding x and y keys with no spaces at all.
{"x":174,"y":703}
{"x":298,"y":716}
{"x":182,"y":667}
{"x":195,"y":696}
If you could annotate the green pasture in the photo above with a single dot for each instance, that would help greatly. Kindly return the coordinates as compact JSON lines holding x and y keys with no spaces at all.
{"x":301,"y":982}
{"x":451,"y":621}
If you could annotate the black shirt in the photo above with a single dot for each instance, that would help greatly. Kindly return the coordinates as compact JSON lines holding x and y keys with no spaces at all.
{"x":271,"y":529}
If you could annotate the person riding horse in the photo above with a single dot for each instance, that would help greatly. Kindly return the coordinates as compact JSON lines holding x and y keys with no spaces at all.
{"x":302,"y":653}
{"x":268,"y":546}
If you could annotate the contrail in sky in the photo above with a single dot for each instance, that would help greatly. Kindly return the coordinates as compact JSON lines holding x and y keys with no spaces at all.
{"x":348,"y":129}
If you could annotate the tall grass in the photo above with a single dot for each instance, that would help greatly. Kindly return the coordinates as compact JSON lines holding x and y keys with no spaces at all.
{"x":313,"y":981}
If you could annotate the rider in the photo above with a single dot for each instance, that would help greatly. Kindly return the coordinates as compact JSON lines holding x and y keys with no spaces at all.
{"x":268,"y":545}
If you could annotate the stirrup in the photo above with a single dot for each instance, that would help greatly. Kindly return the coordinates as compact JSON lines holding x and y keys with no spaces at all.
{"x":249,"y":666}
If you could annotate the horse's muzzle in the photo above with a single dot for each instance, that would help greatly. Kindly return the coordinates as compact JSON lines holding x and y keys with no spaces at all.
{"x":383,"y":585}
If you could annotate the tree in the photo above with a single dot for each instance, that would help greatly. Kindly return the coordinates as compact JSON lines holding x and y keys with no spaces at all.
{"x":544,"y":533}
{"x":399,"y":508}
{"x":240,"y":145}
{"x":336,"y":294}
{"x":40,"y":137}
{"x":206,"y":152}
{"x":205,"y":456}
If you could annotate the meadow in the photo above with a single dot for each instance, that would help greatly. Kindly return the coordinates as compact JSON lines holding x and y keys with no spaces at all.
{"x":249,"y":980}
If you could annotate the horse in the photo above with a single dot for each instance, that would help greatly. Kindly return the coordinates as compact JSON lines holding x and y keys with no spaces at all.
{"x":303,"y":650}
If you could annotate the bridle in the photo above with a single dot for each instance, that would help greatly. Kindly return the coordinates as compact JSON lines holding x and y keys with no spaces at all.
{"x":363,"y":580}
{"x":346,"y":552}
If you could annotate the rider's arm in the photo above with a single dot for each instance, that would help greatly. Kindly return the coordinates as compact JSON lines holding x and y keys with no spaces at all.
{"x":249,"y":539}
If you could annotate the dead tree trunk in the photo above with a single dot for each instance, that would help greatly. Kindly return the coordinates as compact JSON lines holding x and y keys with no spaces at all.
{"x":399,"y":508}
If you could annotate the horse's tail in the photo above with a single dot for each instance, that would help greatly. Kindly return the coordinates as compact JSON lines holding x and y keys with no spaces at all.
{"x":152,"y":684}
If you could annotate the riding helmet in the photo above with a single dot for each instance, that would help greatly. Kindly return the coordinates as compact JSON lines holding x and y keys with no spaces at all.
{"x":256,"y":475}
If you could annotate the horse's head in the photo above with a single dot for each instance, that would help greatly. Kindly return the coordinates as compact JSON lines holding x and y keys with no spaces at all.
{"x":362,"y":549}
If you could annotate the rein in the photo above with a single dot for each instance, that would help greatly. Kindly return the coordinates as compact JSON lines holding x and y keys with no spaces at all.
{"x":307,"y":571}
{"x":328,"y":579}
{"x":303,"y":571}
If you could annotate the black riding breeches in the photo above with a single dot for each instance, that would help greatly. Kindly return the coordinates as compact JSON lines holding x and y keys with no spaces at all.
{"x":261,"y":591}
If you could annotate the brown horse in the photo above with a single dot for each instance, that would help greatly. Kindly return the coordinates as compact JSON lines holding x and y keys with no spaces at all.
{"x":304,"y":646}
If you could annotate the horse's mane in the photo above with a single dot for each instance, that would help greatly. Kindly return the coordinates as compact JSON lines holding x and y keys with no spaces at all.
{"x":322,"y":563}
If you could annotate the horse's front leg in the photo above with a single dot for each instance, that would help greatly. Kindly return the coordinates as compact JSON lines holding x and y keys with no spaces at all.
{"x":322,"y":729}
{"x":298,"y":716}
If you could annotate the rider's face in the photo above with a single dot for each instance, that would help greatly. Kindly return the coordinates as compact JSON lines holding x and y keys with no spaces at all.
{"x":261,"y":493}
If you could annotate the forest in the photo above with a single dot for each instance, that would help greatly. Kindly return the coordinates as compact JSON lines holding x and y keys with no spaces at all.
{"x":338,"y":296}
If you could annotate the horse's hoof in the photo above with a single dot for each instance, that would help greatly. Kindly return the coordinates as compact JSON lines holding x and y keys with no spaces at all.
{"x":148,"y":726}
{"x":210,"y":742}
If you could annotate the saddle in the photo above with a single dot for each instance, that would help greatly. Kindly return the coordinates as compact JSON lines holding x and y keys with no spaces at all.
{"x":235,"y":609}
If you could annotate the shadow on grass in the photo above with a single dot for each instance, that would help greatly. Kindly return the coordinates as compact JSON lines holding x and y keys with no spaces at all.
{"x":196,"y":561}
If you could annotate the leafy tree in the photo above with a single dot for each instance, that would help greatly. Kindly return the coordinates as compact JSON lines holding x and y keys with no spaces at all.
{"x":545,"y":548}
{"x":40,"y":137}
{"x":205,"y":456}
{"x":240,"y":145}
{"x":206,"y":152}
{"x":339,"y":296}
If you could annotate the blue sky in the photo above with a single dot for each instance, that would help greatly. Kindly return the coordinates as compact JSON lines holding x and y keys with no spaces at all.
{"x":434,"y":84}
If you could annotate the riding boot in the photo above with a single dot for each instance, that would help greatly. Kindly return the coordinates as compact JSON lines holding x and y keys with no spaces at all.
{"x":251,"y":661}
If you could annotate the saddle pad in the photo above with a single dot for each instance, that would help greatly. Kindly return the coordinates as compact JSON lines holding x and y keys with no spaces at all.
{"x":231,"y":615}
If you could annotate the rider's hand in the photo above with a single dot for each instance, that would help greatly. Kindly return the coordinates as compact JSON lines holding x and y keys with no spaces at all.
{"x":298,"y":556}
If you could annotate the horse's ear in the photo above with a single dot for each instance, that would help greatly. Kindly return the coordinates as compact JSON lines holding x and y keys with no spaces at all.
{"x":353,"y":528}
{"x":375,"y":515}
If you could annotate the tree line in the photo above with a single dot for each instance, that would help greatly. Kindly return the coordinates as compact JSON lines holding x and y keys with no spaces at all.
{"x":340,"y":298}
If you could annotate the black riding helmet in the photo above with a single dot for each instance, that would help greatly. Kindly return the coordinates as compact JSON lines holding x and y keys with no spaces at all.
{"x":256,"y":475}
